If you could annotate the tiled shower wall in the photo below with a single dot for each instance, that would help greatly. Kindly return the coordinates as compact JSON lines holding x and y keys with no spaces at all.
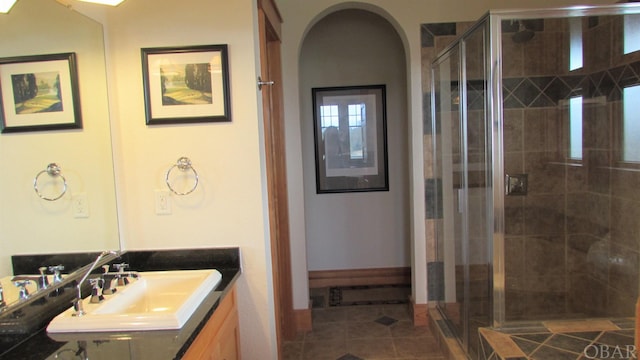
{"x":572,"y":243}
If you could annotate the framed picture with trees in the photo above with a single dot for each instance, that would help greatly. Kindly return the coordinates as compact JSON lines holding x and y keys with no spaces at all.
{"x":186,"y":84}
{"x":39,"y":92}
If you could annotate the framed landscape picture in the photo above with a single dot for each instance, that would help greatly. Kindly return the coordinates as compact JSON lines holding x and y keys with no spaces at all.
{"x":39,"y":92}
{"x":350,"y":128}
{"x":186,"y":84}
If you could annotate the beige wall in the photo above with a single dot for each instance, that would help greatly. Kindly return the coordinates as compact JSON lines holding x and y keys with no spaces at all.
{"x":228,"y":208}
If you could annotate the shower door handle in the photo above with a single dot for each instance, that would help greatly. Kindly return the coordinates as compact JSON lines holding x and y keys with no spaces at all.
{"x":461,"y":194}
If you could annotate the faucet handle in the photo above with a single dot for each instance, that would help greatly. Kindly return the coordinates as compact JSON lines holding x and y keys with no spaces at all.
{"x":43,"y":281}
{"x":107,"y":281}
{"x":96,"y":297}
{"x":56,"y":269}
{"x":23,"y":292}
{"x":120,"y":267}
{"x":2,"y":302}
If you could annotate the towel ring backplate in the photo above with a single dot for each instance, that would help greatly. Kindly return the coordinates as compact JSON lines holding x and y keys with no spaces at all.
{"x":183,"y":164}
{"x":54,"y":171}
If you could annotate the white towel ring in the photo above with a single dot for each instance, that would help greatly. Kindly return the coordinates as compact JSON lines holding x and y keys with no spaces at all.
{"x":54,"y":171}
{"x":183,"y":164}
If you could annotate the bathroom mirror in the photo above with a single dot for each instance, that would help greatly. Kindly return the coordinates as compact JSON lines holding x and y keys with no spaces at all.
{"x":84,"y":218}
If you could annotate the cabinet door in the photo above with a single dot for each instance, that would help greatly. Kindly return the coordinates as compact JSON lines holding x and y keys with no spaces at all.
{"x":228,"y":343}
{"x":219,"y":339}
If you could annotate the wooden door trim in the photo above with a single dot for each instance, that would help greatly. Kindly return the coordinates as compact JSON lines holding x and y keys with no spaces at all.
{"x":269,"y":20}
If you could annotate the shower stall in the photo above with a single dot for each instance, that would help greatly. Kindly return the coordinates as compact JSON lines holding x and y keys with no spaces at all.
{"x":536,"y":161}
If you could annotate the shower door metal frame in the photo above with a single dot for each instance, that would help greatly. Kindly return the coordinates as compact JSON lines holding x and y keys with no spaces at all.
{"x":463,"y":205}
{"x":444,"y":55}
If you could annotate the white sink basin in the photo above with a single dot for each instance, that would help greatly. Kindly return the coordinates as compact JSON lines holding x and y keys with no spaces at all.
{"x":158,"y":300}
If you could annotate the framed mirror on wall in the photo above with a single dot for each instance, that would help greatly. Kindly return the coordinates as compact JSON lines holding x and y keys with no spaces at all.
{"x":350,"y":134}
{"x":84,"y":217}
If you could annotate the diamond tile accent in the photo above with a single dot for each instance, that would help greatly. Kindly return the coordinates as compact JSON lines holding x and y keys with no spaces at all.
{"x":557,"y":89}
{"x":526,"y":92}
{"x":546,"y":91}
{"x":349,"y":357}
{"x":386,"y":320}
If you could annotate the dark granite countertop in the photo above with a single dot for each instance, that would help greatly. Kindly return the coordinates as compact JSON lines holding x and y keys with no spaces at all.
{"x":142,"y":345}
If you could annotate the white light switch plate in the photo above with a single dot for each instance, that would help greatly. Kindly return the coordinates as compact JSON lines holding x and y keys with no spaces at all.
{"x":80,"y":205}
{"x":163,"y":202}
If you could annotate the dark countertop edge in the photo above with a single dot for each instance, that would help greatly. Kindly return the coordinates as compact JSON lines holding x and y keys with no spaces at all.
{"x":230,"y":270}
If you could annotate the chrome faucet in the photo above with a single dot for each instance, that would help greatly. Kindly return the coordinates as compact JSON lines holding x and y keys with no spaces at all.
{"x":22,"y":280}
{"x":77,"y":303}
{"x":121,"y":278}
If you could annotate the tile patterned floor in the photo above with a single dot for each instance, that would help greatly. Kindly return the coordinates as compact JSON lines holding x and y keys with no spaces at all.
{"x":578,"y":341}
{"x":363,"y":332}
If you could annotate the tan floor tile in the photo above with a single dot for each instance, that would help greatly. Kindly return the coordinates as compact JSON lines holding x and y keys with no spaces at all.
{"x":334,"y":314}
{"x":292,"y":350}
{"x":502,"y":343}
{"x":364,"y":313}
{"x":398,"y":312}
{"x":580,"y":325}
{"x":324,"y":350}
{"x":352,"y":330}
{"x":327,"y":332}
{"x":367,"y":330}
{"x":417,"y":347}
{"x":405,"y":328}
{"x":372,"y":348}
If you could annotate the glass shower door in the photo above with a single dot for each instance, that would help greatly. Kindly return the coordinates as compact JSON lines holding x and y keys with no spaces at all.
{"x":448,"y":166}
{"x":463,"y":164}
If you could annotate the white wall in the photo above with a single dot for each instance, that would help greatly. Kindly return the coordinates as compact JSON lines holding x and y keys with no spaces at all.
{"x":228,"y":208}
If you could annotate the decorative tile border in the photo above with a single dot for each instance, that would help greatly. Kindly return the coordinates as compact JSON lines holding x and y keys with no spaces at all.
{"x":548,"y":91}
{"x":580,"y":339}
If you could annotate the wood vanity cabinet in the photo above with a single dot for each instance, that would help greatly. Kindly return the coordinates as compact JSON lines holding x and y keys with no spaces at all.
{"x":220,"y":337}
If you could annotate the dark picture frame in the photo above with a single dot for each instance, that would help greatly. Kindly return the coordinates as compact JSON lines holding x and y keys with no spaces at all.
{"x":350,"y":136}
{"x":188,"y":84}
{"x":39,"y":93}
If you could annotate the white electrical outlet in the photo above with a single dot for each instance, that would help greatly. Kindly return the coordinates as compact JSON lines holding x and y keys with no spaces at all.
{"x":163,"y":202}
{"x":80,"y":205}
